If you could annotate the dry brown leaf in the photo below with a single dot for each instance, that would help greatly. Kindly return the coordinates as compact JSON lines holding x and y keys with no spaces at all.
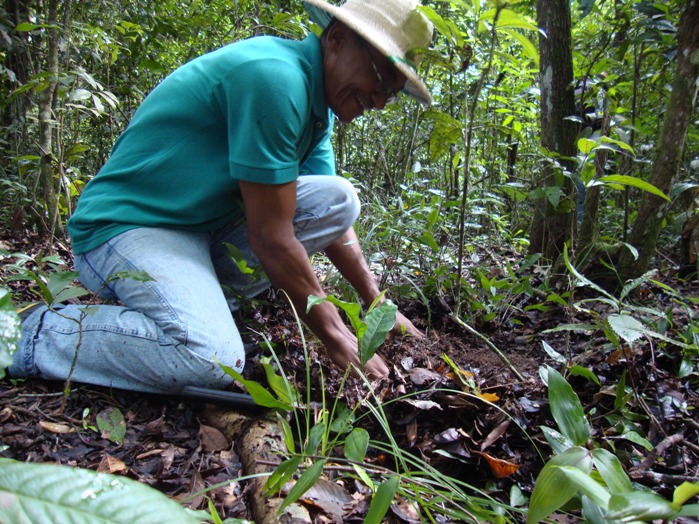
{"x":495,"y":434}
{"x":212,"y":439}
{"x":411,"y":433}
{"x":55,"y":427}
{"x":500,"y":468}
{"x":406,"y":511}
{"x":329,"y":497}
{"x":112,"y":465}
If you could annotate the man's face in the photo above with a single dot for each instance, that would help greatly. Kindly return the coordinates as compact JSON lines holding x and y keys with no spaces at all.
{"x":357,"y":77}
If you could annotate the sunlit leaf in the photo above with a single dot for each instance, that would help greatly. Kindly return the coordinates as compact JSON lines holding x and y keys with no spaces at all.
{"x":633,"y":182}
{"x":587,"y":485}
{"x":52,"y":493}
{"x":626,"y":327}
{"x":685,"y":491}
{"x":499,"y":467}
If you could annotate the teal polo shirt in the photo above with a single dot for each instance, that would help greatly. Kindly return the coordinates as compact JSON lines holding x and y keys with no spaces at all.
{"x":253,"y":110}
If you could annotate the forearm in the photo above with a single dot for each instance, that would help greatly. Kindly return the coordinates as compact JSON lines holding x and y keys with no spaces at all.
{"x":347,"y":256}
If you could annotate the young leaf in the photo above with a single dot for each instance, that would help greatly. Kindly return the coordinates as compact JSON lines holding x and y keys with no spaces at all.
{"x":356,"y":444}
{"x":260,"y":395}
{"x":379,"y":321}
{"x":685,"y":491}
{"x":315,"y":436}
{"x":381,"y":500}
{"x":51,"y":493}
{"x":112,"y":424}
{"x":626,"y":327}
{"x":287,"y":434}
{"x":281,"y":475}
{"x":284,"y":391}
{"x":566,"y":409}
{"x":305,"y":481}
{"x":553,"y":488}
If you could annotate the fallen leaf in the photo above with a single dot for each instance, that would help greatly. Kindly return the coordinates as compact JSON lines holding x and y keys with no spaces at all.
{"x":112,"y":465}
{"x":330,"y":497}
{"x":490,"y":397}
{"x":411,"y":433}
{"x":447,"y":437}
{"x":112,"y":424}
{"x":420,"y":376}
{"x":423,"y":404}
{"x":500,"y":468}
{"x":55,"y":427}
{"x":406,"y":511}
{"x":495,"y":434}
{"x":212,"y":439}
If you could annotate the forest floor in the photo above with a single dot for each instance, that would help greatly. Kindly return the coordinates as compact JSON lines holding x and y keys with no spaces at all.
{"x":177,"y":447}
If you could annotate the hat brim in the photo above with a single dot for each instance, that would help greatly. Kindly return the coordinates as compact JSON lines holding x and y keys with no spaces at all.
{"x":322,"y":13}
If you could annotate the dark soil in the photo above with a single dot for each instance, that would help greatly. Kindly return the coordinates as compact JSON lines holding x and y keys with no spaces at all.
{"x":170,"y":446}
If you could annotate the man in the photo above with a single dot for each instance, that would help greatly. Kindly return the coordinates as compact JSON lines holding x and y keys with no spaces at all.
{"x":232,"y":148}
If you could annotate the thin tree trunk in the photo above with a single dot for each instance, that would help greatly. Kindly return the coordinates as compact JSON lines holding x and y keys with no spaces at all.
{"x":551,"y":225}
{"x":670,"y":147}
{"x":47,"y":123}
{"x":588,"y":228}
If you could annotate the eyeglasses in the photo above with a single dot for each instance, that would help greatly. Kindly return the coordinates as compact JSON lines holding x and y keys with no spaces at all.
{"x":381,"y":86}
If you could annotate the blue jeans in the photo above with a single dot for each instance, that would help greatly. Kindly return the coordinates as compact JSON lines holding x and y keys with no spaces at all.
{"x":171,"y":330}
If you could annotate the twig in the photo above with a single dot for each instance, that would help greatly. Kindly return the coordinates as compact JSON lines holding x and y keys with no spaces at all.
{"x":656,"y":453}
{"x":490,"y":345}
{"x":662,"y":478}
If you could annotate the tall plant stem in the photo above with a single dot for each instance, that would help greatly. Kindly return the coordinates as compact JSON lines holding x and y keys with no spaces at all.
{"x":467,"y":153}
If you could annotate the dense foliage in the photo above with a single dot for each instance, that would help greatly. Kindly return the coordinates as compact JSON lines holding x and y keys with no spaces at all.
{"x":447,"y":190}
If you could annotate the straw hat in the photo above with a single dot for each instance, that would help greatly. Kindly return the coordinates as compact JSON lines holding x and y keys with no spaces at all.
{"x":394,"y":27}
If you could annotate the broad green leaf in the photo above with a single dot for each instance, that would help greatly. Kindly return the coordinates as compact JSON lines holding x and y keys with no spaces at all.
{"x":641,"y":505}
{"x":381,"y":500}
{"x":685,"y":491}
{"x":356,"y":444}
{"x":626,"y":327}
{"x":559,"y":443}
{"x":553,"y":488}
{"x":584,"y":372}
{"x":633,"y":182}
{"x":690,"y":510}
{"x":611,"y":471}
{"x":527,"y":45}
{"x":555,"y":355}
{"x":507,"y":18}
{"x":361,"y":472}
{"x":379,"y":321}
{"x":351,"y":309}
{"x":589,"y":486}
{"x":315,"y":437}
{"x":287,"y":433}
{"x":585,"y":145}
{"x":281,"y":475}
{"x":303,"y":484}
{"x":634,"y":437}
{"x":112,"y":424}
{"x":566,"y":409}
{"x":51,"y":493}
{"x":260,"y":395}
{"x":10,"y":330}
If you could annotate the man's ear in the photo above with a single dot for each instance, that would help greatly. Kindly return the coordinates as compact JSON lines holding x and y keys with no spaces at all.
{"x":337,"y":36}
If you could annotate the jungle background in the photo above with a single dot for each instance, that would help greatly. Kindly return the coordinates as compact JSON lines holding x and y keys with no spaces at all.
{"x":538,"y":222}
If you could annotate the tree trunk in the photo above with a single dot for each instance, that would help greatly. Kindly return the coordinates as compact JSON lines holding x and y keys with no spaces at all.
{"x":668,"y":154}
{"x":47,"y":121}
{"x":588,"y":227}
{"x":551,"y":226}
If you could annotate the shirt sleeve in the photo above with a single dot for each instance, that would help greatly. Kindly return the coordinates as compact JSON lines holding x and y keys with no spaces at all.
{"x":267,"y":106}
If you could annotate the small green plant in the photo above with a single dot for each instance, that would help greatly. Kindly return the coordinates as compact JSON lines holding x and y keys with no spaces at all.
{"x":590,"y":474}
{"x":371,"y":330}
